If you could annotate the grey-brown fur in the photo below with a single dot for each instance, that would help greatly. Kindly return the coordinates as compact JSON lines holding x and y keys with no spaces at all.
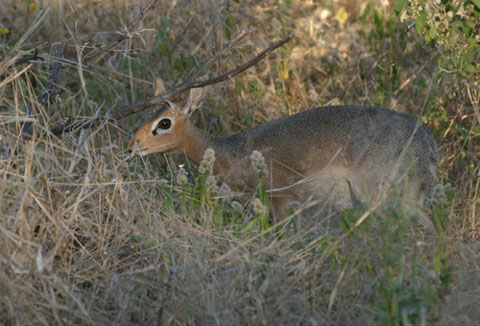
{"x":339,"y":153}
{"x":375,"y":143}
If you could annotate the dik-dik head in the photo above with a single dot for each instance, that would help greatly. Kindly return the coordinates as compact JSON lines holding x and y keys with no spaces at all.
{"x":166,"y":131}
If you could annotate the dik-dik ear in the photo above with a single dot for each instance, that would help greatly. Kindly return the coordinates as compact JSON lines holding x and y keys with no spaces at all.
{"x":159,"y":87}
{"x":194,"y":100}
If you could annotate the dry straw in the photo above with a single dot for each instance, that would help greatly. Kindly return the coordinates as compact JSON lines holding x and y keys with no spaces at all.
{"x":87,"y":238}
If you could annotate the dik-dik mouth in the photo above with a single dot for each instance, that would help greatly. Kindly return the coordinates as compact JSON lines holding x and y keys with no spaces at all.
{"x":134,"y":149}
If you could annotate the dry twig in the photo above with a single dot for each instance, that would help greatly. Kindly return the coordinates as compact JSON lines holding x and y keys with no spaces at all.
{"x":57,"y":65}
{"x":54,"y":69}
{"x":126,"y":34}
{"x":29,"y":59}
{"x":175,"y":91}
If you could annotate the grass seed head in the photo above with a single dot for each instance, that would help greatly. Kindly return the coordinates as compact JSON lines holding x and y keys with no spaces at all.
{"x":226,"y":193}
{"x":258,"y":207}
{"x":258,"y":163}
{"x":181,"y":175}
{"x":208,"y":160}
{"x":237,"y":206}
{"x":211,"y":184}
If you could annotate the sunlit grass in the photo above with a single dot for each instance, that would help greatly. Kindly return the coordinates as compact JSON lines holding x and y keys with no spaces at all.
{"x":89,"y":237}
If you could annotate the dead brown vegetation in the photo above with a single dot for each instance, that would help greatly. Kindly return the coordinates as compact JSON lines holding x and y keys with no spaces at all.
{"x":87,"y":237}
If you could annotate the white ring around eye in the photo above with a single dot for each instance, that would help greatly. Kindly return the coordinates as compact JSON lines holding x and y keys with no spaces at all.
{"x":157,"y":130}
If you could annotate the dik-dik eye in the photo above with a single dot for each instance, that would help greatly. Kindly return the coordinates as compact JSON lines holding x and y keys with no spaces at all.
{"x":162,"y":124}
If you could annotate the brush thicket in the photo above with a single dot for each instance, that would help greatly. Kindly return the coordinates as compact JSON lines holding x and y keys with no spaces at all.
{"x":87,"y":237}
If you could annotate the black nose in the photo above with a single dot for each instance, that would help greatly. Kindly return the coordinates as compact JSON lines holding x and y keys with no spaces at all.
{"x":131,"y":145}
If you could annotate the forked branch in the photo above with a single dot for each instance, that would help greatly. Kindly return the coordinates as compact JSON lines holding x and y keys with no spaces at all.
{"x":126,"y":34}
{"x":57,"y":65}
{"x":175,"y":91}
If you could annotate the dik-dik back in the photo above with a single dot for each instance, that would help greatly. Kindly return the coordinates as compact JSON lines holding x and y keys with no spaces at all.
{"x":338,"y":153}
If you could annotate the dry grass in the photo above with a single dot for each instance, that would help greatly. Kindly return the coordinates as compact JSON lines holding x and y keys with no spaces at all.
{"x":87,"y":237}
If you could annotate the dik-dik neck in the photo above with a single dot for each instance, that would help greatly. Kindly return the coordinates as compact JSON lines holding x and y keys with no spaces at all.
{"x":194,"y":142}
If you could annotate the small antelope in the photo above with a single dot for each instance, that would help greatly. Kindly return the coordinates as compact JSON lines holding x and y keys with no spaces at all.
{"x":344,"y":153}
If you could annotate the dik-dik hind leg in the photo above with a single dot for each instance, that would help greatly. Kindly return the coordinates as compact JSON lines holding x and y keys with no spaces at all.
{"x":280,"y":204}
{"x":356,"y":202}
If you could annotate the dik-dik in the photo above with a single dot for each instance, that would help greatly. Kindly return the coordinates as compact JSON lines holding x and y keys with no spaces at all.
{"x":338,"y":153}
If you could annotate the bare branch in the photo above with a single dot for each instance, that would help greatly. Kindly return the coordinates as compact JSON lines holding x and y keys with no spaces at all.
{"x":171,"y":93}
{"x":26,"y":127}
{"x":33,"y":57}
{"x":174,"y":92}
{"x":54,"y":69}
{"x":179,"y":38}
{"x":123,"y":36}
{"x":212,"y":59}
{"x":238,"y":69}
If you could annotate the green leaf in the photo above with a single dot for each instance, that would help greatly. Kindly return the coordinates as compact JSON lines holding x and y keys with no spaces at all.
{"x":180,"y":65}
{"x":421,"y":22}
{"x":427,"y":38}
{"x":437,"y":262}
{"x":250,"y":225}
{"x":378,"y":20}
{"x":400,"y":6}
{"x":285,"y":72}
{"x":230,"y":23}
{"x":472,"y":41}
{"x":238,"y":88}
{"x":433,"y":32}
{"x":164,"y":48}
{"x":454,"y":59}
{"x":136,"y":237}
{"x":470,"y":23}
{"x":476,"y":3}
{"x":365,"y":12}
